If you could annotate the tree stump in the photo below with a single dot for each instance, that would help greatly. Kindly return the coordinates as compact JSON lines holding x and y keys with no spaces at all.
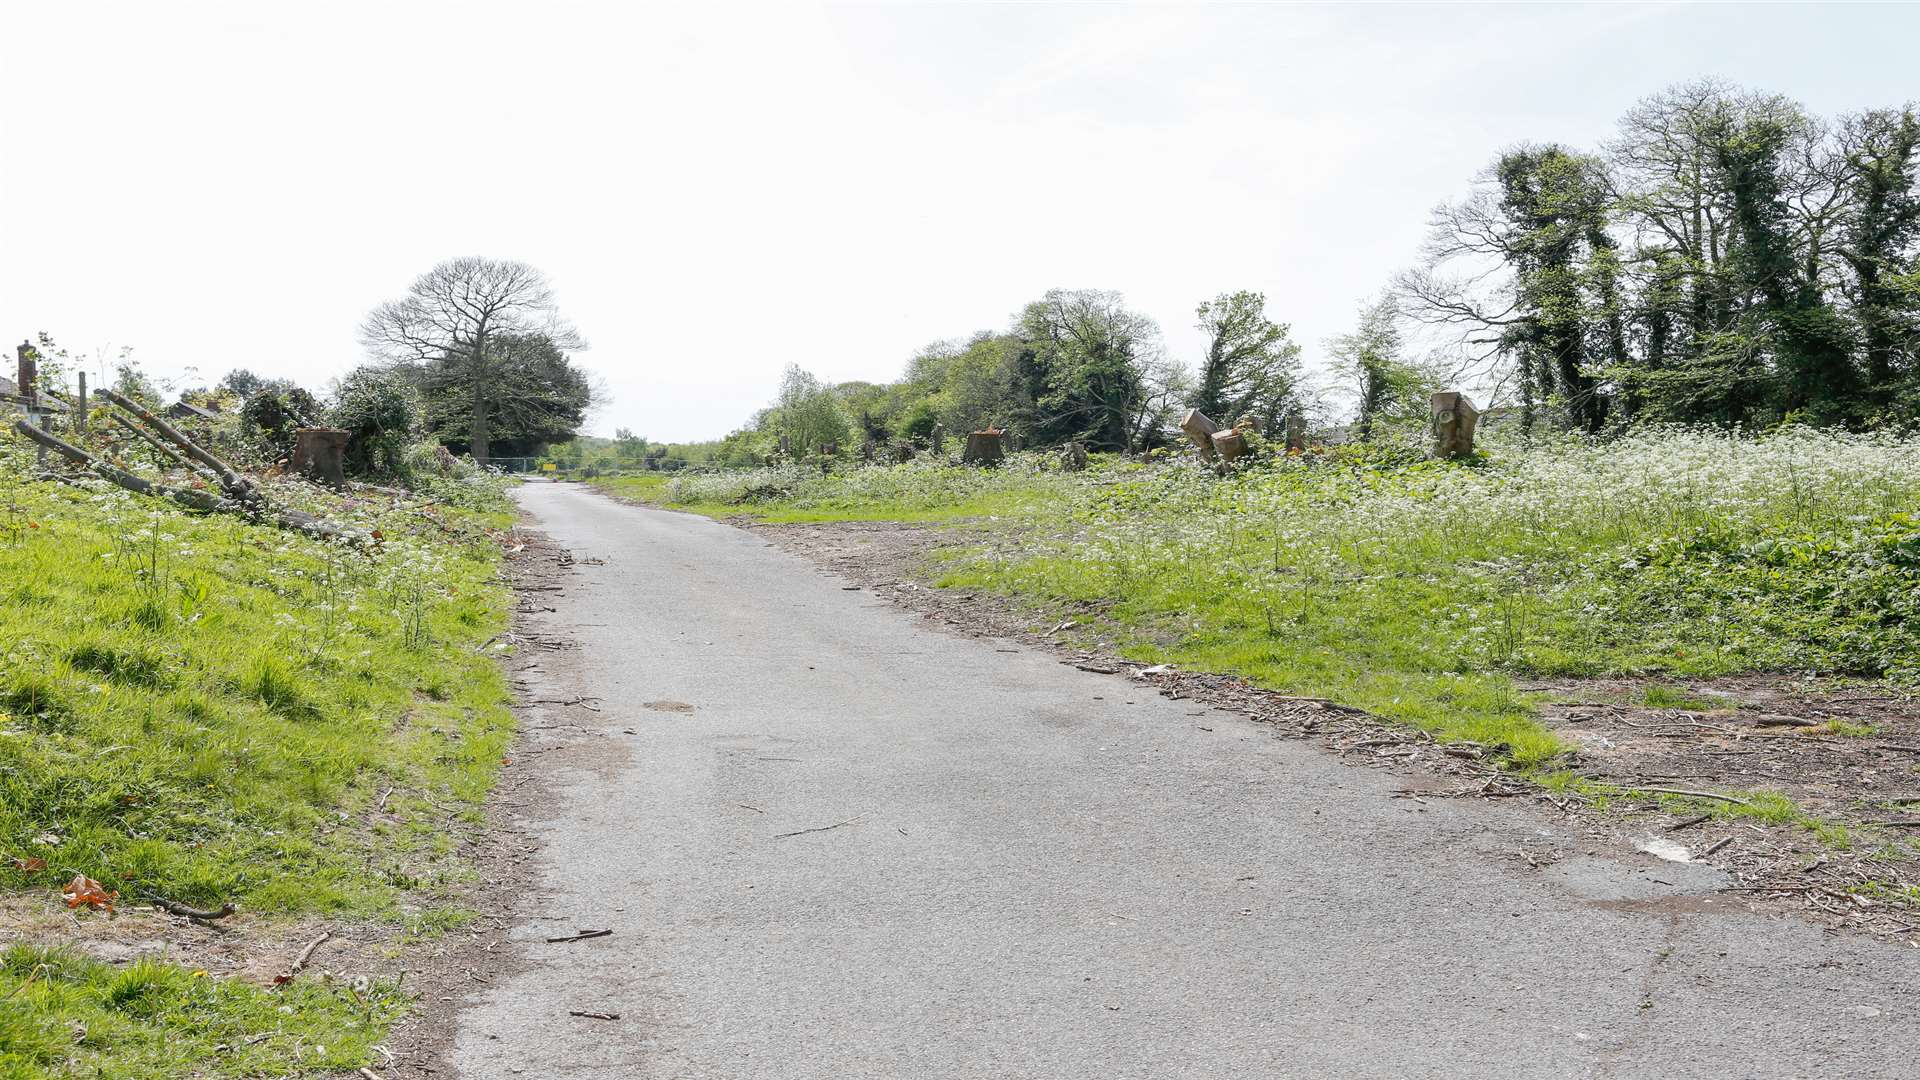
{"x":984,"y":448}
{"x":1074,"y":456}
{"x":321,"y":453}
{"x":1200,"y":430}
{"x":938,"y":439}
{"x":1454,"y":418}
{"x":1229,"y":444}
{"x":866,"y":449}
{"x":903,"y":451}
{"x":1296,"y":434}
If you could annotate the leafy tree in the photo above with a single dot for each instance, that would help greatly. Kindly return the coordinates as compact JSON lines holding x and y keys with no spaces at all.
{"x":1085,"y":362}
{"x":453,"y":316}
{"x":1369,"y":360}
{"x":271,"y":414}
{"x":1251,"y":367}
{"x":1879,"y":241}
{"x":808,"y":412}
{"x":536,"y":396}
{"x":380,"y":410}
{"x":1809,"y":339}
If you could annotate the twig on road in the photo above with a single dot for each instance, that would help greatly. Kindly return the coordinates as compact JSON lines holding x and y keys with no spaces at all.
{"x":593,"y":1015}
{"x":819,"y":828}
{"x":581,"y":936}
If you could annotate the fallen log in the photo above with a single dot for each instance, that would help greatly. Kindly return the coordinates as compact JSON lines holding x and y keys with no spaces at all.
{"x":202,"y":501}
{"x":147,"y":437}
{"x":231,"y":481}
{"x":205,"y":502}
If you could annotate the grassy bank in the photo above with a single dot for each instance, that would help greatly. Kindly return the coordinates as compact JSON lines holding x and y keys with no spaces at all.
{"x":210,"y":711}
{"x":1427,"y":592}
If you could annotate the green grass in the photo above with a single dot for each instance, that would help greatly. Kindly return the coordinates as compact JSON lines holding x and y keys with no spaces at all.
{"x":1423,"y":591}
{"x":204,"y":709}
{"x":62,"y":1014}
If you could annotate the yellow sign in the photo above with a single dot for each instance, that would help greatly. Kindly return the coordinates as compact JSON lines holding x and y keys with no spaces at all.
{"x":548,"y":466}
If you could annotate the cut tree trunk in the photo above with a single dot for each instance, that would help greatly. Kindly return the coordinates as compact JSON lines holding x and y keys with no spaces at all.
{"x":1296,"y":434}
{"x":983,"y":448}
{"x":1229,"y":444}
{"x":1454,"y":419}
{"x":1200,"y":430}
{"x":321,"y":454}
{"x":1074,"y":456}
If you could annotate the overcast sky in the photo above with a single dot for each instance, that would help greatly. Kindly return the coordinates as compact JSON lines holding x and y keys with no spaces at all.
{"x":719,"y":190}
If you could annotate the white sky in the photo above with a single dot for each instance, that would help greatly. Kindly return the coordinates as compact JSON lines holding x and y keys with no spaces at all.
{"x":718,"y":190}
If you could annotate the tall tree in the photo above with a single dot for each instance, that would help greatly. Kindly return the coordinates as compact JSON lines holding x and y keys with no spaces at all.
{"x":1882,"y":149}
{"x":1251,"y":367}
{"x":1086,"y":362}
{"x":535,"y":397}
{"x":807,"y":412}
{"x":1369,"y":361}
{"x":455,"y":312}
{"x":1778,"y":258}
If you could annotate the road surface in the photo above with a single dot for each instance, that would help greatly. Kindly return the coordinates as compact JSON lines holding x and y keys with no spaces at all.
{"x":839,"y":844}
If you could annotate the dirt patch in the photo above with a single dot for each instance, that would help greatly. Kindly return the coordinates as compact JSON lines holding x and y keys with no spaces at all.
{"x":1842,"y":751}
{"x":1845,"y":753}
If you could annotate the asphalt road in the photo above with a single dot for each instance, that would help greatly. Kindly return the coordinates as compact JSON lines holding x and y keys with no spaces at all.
{"x":1018,"y":869}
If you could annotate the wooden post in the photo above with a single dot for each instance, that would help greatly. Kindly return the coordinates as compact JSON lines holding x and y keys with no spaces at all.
{"x":983,"y":448}
{"x":939,"y":439}
{"x":80,"y":420}
{"x":1454,"y":418}
{"x":1200,"y":430}
{"x":1296,"y":434}
{"x":28,"y":389}
{"x":866,"y":449}
{"x":321,"y":453}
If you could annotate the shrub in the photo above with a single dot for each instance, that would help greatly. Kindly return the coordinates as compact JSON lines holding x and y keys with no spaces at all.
{"x":380,"y":410}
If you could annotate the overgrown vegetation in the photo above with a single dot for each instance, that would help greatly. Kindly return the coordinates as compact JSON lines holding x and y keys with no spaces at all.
{"x":207,"y":710}
{"x":1420,"y":590}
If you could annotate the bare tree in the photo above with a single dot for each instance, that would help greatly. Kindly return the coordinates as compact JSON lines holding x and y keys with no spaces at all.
{"x":459,"y":310}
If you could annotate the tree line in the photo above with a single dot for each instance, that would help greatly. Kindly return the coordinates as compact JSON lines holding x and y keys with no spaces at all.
{"x":1727,"y":257}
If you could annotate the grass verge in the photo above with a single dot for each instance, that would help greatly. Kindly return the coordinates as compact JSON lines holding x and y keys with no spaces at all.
{"x":211,"y":711}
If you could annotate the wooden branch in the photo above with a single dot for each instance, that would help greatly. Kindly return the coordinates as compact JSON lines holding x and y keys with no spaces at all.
{"x":300,"y":962}
{"x":148,"y":438}
{"x":203,"y":501}
{"x":235,"y":485}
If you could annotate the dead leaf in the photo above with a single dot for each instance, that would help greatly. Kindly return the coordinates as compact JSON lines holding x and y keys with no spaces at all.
{"x":32,"y":864}
{"x":83,"y":891}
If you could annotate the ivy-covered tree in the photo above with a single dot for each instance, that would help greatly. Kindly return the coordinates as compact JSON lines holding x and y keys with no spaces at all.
{"x":534,"y":396}
{"x":1251,"y":367}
